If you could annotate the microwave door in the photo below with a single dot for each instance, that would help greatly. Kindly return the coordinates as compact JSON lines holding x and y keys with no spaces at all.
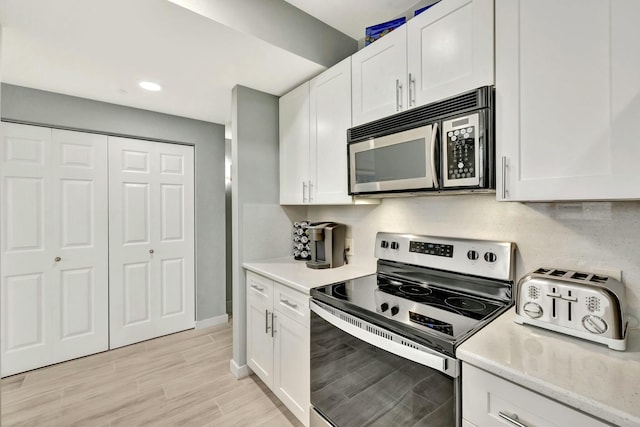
{"x":401,"y":161}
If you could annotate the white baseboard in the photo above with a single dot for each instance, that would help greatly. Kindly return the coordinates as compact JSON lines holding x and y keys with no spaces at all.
{"x":239,"y":371}
{"x":212,"y":321}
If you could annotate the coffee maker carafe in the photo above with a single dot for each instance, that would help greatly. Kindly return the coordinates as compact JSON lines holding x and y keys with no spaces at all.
{"x":327,"y":244}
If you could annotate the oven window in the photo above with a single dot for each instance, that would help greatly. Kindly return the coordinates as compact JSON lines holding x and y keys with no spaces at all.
{"x":404,"y":160}
{"x":356,"y":384}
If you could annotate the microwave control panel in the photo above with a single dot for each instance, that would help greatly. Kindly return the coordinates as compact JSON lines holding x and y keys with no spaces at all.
{"x":462,"y":151}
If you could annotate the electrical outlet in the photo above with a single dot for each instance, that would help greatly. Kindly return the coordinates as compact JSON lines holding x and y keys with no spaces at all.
{"x":616,"y":274}
{"x":348,"y":246}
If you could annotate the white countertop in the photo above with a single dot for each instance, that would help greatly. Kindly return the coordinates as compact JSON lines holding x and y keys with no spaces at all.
{"x":588,"y":376}
{"x":297,"y":275}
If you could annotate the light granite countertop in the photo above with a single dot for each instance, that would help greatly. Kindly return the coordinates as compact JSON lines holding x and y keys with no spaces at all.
{"x":584,"y":375}
{"x":297,"y":275}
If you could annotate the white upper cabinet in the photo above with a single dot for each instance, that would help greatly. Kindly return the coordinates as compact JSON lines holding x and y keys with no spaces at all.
{"x":294,"y":146}
{"x":444,"y":51}
{"x":330,"y":111}
{"x":567,"y":99}
{"x":314,"y":119}
{"x":379,"y":74}
{"x":450,"y":50}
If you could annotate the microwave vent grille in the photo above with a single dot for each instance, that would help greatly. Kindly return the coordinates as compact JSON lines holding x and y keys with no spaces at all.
{"x":420,"y":116}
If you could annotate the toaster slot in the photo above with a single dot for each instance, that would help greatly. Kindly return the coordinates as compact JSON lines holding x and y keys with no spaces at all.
{"x":553,"y":303}
{"x":569,"y":307}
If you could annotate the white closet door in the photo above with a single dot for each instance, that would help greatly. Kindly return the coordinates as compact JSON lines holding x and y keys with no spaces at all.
{"x":54,"y":199}
{"x":151,"y":241}
{"x":80,"y":237}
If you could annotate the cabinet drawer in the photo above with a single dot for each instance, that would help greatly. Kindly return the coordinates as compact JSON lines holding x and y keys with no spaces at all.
{"x":490,"y":401}
{"x":292,"y":304}
{"x":259,"y":287}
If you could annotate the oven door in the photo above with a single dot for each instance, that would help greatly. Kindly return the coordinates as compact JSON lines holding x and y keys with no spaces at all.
{"x":403,"y":161}
{"x":363,"y":375}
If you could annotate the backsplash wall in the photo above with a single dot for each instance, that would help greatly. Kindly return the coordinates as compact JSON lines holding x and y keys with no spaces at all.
{"x":581,"y":236}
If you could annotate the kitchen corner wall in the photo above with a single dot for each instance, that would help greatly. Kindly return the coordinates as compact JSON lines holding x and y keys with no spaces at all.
{"x":580,"y":236}
{"x":261,"y":227}
{"x":31,"y":106}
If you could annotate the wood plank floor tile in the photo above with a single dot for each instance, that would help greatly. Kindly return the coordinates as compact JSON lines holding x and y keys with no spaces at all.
{"x":175,"y":380}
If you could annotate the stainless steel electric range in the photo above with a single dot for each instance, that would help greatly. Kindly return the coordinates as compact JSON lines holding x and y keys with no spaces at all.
{"x":383,"y":347}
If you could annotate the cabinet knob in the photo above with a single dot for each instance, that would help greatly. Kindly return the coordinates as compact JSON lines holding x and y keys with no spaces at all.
{"x":57,"y":259}
{"x":151,"y":251}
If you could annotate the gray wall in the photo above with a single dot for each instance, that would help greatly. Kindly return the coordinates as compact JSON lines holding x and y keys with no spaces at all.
{"x":261,"y":227}
{"x":38,"y":107}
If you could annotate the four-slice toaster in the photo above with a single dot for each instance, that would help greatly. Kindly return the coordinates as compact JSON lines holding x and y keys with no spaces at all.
{"x":583,"y":305}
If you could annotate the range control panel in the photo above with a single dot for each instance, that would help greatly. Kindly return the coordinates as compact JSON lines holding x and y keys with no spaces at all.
{"x":484,"y":258}
{"x":437,"y":249}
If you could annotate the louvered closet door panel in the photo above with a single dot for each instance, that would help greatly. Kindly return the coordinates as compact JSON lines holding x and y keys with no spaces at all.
{"x":80,"y":236}
{"x":151,"y":240}
{"x":27,"y":263}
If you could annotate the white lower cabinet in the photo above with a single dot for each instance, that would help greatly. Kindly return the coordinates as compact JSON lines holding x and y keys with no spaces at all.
{"x":490,"y":401}
{"x":278,"y":341}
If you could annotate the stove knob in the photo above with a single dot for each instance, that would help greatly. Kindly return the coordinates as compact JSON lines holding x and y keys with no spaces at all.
{"x":394,"y":310}
{"x":532,"y":310}
{"x":384,"y":307}
{"x":593,"y":324}
{"x":394,"y":245}
{"x":473,"y":255}
{"x":384,"y":244}
{"x":490,"y":257}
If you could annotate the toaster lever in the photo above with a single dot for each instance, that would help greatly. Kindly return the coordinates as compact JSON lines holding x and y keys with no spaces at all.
{"x":569,"y":298}
{"x":554,"y":295}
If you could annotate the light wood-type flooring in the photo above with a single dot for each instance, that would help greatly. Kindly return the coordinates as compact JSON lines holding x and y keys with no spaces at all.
{"x":177,"y":380}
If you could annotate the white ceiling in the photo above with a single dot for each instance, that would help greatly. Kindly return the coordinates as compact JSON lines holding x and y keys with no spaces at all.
{"x":101,"y":49}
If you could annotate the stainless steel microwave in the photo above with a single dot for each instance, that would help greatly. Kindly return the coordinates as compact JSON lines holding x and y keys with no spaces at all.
{"x":441,"y":147}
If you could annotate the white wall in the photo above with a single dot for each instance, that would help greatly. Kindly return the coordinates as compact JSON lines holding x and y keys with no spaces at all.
{"x":581,"y":236}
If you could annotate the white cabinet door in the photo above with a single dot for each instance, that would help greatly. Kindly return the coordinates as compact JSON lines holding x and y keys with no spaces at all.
{"x":81,"y":232}
{"x":151,"y":239}
{"x":450,"y":50}
{"x":330,"y":108}
{"x":294,"y":146}
{"x":379,"y":78}
{"x":260,"y":327}
{"x":566,"y":99}
{"x":490,"y":401}
{"x":54,"y":246}
{"x":292,"y":369}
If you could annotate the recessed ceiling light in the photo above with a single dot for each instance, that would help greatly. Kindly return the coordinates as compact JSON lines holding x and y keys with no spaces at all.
{"x":150,"y":86}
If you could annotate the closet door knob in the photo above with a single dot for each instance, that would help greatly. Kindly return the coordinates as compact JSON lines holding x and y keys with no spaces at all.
{"x":57,"y":259}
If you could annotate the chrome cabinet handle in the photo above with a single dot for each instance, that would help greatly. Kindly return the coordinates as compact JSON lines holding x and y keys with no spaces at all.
{"x":398,"y":95}
{"x":504,"y":177}
{"x":434,"y":175}
{"x":412,"y":93}
{"x":289,"y":304}
{"x":310,"y":191}
{"x":304,"y":192}
{"x":257,"y":288}
{"x":273,"y":323}
{"x":513,"y":419}
{"x":57,"y":259}
{"x":151,"y":251}
{"x":266,"y":321}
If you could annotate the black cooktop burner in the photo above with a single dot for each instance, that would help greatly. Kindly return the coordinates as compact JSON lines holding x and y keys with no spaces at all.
{"x":465,"y":303}
{"x":339,"y":291}
{"x":414,"y":290}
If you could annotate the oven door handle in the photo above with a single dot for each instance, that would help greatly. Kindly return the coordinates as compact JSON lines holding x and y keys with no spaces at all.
{"x":427,"y":359}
